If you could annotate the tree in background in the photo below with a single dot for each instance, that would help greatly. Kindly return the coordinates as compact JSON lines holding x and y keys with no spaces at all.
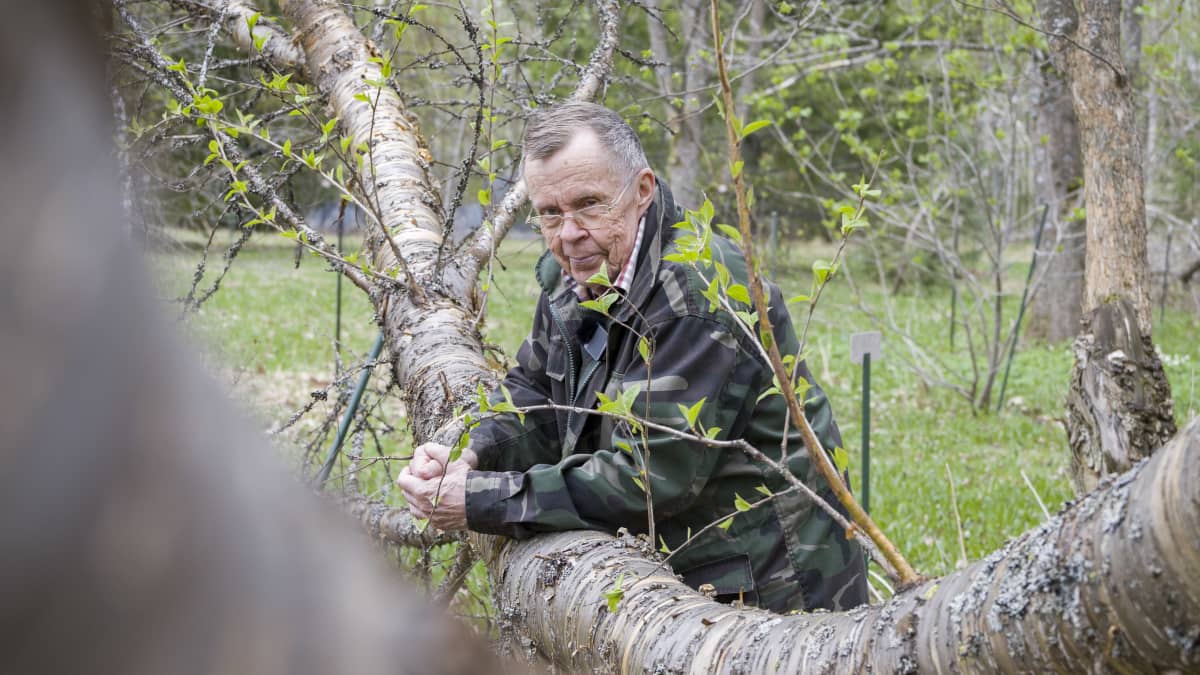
{"x":1119,"y":409}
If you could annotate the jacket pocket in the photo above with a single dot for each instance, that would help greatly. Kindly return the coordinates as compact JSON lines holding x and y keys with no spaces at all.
{"x":730,"y":577}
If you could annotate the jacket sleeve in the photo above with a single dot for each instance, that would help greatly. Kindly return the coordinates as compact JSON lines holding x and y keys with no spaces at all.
{"x":502,"y":440}
{"x":693,"y":358}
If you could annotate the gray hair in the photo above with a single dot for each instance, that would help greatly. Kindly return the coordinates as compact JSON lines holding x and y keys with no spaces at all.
{"x":550,"y":129}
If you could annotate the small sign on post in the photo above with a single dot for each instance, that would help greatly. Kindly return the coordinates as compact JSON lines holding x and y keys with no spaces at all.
{"x":865,"y":347}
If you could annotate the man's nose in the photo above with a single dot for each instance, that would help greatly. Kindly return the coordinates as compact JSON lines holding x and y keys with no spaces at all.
{"x":571,"y":230}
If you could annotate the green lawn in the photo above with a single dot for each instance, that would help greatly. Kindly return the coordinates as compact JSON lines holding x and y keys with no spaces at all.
{"x":271,"y":329}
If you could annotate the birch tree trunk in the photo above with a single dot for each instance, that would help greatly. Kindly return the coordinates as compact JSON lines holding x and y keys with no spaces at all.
{"x":1111,"y":583}
{"x":1119,"y":408}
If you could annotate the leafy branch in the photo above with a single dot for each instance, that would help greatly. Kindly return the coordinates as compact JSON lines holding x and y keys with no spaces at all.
{"x":897,"y":566}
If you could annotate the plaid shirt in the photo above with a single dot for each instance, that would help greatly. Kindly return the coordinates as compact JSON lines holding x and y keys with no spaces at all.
{"x":624,"y":279}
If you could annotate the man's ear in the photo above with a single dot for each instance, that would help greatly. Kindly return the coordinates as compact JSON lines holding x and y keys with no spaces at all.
{"x":645,"y":188}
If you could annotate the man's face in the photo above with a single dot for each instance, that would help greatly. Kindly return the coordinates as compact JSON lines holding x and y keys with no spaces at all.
{"x":580,"y":175}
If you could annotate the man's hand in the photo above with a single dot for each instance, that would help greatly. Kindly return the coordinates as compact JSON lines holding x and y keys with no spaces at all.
{"x":432,"y":479}
{"x":430,"y":460}
{"x":442,"y":499}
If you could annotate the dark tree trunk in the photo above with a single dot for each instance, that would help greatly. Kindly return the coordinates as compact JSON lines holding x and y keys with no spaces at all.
{"x":1057,"y":306}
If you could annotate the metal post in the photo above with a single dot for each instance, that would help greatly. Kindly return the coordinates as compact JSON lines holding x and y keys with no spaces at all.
{"x":866,"y":432}
{"x":337,"y":326}
{"x":1012,"y":343}
{"x":344,"y":427}
{"x":954,"y":290}
{"x":862,"y":347}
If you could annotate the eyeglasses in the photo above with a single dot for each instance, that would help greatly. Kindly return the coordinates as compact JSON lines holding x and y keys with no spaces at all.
{"x":588,"y":217}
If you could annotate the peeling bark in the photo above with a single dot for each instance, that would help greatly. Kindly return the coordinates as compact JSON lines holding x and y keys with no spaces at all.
{"x":1118,"y":407}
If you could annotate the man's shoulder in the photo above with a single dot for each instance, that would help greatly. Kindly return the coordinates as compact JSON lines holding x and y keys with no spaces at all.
{"x":684,"y":287}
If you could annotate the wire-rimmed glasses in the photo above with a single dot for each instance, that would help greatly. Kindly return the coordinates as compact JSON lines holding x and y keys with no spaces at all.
{"x":588,"y":217}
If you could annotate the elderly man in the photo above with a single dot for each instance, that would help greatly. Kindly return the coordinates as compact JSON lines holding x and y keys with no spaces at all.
{"x":601,"y":209}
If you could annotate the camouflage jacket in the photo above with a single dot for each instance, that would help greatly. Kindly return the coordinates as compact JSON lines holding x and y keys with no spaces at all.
{"x":563,"y":470}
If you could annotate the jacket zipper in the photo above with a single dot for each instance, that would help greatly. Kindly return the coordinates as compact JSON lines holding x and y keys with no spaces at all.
{"x":570,"y":355}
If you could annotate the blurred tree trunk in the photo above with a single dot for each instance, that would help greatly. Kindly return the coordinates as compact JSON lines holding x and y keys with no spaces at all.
{"x":1119,"y":408}
{"x":1057,"y":306}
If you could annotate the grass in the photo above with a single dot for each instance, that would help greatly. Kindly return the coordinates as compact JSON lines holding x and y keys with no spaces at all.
{"x":271,"y":329}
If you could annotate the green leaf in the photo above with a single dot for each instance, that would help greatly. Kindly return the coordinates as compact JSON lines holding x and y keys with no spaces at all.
{"x":663,"y":545}
{"x":600,"y":279}
{"x":362,"y":96}
{"x":739,"y":503}
{"x":754,"y":126}
{"x":821,"y":271}
{"x":287,"y":148}
{"x":252,"y":20}
{"x":768,"y":392}
{"x":841,"y":459}
{"x":644,"y":348}
{"x":724,"y":524}
{"x":731,"y":232}
{"x":693,"y":413}
{"x":485,"y":197}
{"x":629,"y":396}
{"x":638,"y":481}
{"x":615,"y":593}
{"x":735,"y":169}
{"x":738,"y":292}
{"x":763,"y":489}
{"x":602,"y":303}
{"x":798,"y":298}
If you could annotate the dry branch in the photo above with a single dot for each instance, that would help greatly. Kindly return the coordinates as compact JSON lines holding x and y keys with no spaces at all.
{"x":393,"y":525}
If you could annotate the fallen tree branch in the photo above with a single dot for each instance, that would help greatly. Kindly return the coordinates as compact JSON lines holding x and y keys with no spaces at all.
{"x":395,"y":525}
